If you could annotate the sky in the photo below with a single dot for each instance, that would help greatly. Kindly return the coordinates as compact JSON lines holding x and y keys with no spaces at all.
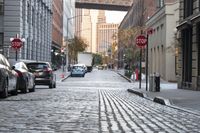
{"x":114,"y":16}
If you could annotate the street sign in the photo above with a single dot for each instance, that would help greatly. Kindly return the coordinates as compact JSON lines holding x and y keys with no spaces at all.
{"x":141,"y":41}
{"x":16,"y":43}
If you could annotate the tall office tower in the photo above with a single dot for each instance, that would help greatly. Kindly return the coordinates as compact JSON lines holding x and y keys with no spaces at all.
{"x":68,"y":25}
{"x":105,"y":33}
{"x":101,"y":17}
{"x":78,"y":21}
{"x":86,"y":32}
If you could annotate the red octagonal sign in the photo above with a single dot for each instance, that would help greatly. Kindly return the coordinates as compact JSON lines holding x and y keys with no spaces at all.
{"x":141,"y":41}
{"x":16,"y":43}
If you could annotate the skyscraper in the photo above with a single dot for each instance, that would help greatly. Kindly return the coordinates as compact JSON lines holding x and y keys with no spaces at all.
{"x":105,"y":33}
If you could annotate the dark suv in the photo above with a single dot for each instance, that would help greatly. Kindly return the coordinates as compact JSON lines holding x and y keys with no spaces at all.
{"x":43,"y":73}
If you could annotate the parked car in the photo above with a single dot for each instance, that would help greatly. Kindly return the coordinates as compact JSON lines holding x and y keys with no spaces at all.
{"x":78,"y":71}
{"x":25,"y":80}
{"x":100,"y":67}
{"x":84,"y":66}
{"x":43,"y":72}
{"x":8,"y":78}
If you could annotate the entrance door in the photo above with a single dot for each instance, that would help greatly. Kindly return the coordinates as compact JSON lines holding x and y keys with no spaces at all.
{"x":187,"y":57}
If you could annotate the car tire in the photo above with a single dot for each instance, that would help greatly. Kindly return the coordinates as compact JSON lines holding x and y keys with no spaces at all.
{"x":25,"y":89}
{"x":54,"y":85}
{"x":15,"y":91}
{"x":51,"y":85}
{"x":32,"y":89}
{"x":4,"y":93}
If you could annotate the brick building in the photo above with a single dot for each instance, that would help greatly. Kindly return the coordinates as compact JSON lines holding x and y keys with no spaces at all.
{"x":57,"y":31}
{"x":139,"y":12}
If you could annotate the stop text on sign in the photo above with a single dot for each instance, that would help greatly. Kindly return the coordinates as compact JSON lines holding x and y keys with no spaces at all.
{"x":16,"y":43}
{"x":141,"y":41}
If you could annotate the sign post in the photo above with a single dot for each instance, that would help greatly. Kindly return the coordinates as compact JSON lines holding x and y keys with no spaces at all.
{"x":16,"y":43}
{"x":149,"y":32}
{"x":141,"y":42}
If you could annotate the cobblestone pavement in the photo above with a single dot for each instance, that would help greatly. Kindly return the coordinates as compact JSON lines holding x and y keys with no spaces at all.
{"x":96,"y":103}
{"x":122,"y":112}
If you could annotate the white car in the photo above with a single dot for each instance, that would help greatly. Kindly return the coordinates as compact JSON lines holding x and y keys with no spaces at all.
{"x":83,"y":65}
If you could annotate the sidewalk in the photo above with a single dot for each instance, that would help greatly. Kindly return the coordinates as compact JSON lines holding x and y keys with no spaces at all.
{"x":60,"y":75}
{"x":181,"y":98}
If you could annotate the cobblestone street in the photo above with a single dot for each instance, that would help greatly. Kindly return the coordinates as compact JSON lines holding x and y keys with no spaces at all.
{"x":98,"y":102}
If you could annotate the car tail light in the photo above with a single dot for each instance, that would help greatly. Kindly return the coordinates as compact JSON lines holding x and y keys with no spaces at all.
{"x":48,"y":70}
{"x":19,"y":74}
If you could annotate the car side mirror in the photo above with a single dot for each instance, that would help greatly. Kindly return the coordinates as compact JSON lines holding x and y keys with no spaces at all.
{"x":13,"y":67}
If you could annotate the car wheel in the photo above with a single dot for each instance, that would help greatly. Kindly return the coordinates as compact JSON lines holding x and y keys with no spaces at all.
{"x":51,"y":85}
{"x":4,"y":93}
{"x":14,"y":92}
{"x":25,"y":89}
{"x":54,"y":85}
{"x":32,"y":89}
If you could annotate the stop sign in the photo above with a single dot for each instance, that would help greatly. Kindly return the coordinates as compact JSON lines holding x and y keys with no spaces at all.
{"x":16,"y":43}
{"x":141,"y":41}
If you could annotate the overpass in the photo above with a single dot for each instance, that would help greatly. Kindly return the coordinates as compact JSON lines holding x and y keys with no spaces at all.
{"x":118,"y":5}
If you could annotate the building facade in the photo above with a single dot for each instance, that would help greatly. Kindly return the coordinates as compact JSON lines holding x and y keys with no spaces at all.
{"x":162,"y":54}
{"x":140,"y":11}
{"x":31,"y":20}
{"x":86,"y":30}
{"x":85,"y":27}
{"x":78,"y":21}
{"x":138,"y":14}
{"x":189,"y":45}
{"x":105,"y":33}
{"x":57,"y":32}
{"x":68,"y":25}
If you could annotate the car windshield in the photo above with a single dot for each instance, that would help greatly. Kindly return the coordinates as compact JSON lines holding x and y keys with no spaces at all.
{"x":77,"y":67}
{"x":36,"y":66}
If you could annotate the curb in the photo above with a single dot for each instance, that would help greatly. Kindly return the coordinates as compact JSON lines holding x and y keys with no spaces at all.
{"x":64,"y":78}
{"x":159,"y":100}
{"x":141,"y":94}
{"x":124,"y":77}
{"x":162,"y":101}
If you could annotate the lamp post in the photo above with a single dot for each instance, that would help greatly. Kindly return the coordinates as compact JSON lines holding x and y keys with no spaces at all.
{"x":67,"y":38}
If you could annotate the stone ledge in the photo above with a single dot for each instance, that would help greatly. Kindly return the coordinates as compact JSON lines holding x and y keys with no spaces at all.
{"x":129,"y":80}
{"x":141,"y":94}
{"x":162,"y":101}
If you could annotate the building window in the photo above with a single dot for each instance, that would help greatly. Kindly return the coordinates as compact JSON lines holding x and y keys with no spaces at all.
{"x":198,"y":41}
{"x":1,"y":42}
{"x":1,"y":7}
{"x":187,"y":55}
{"x":199,"y":5}
{"x":188,"y":8}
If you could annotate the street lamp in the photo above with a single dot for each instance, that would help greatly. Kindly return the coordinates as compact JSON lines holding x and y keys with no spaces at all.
{"x":67,"y":37}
